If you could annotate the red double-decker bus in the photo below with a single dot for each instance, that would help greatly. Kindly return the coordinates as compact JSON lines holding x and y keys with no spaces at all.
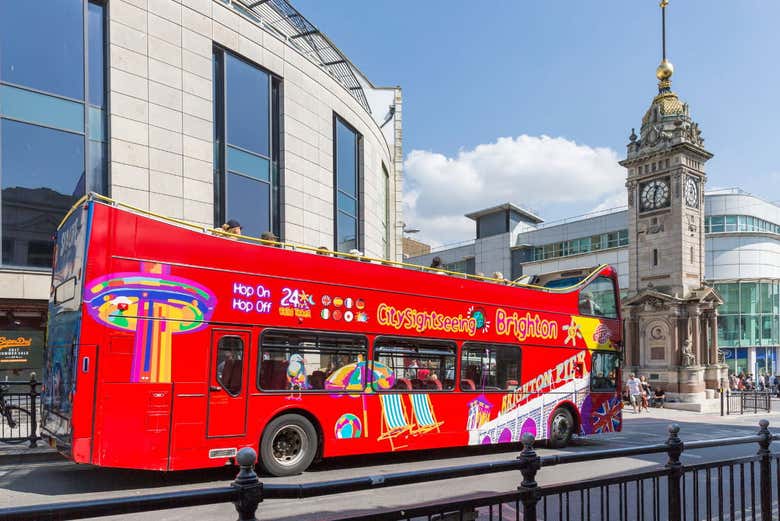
{"x":171,"y":347}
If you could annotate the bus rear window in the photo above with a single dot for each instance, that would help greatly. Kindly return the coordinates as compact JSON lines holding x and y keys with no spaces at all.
{"x":312,"y":361}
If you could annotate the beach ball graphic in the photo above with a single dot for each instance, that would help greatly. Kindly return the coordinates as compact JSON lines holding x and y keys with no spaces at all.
{"x":348,"y":426}
{"x":478,"y":314}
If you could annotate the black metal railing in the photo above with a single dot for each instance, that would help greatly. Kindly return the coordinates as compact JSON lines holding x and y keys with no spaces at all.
{"x":735,"y":488}
{"x":741,"y":402}
{"x":21,"y":402}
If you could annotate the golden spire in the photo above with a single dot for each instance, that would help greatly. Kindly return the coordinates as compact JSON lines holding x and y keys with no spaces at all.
{"x":665,"y":69}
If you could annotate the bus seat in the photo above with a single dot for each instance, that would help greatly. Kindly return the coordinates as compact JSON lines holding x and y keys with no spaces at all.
{"x":467,"y":385}
{"x":273,"y":375}
{"x":317,"y":380}
{"x":433,"y":384}
{"x":417,"y":383}
{"x":449,"y":383}
{"x":403,"y":384}
{"x":511,"y":385}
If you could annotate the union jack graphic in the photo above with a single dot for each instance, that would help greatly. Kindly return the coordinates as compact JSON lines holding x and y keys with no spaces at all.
{"x":607,"y":417}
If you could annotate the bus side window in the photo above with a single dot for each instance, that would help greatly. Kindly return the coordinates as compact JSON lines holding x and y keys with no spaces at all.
{"x":305,"y":361}
{"x":230,"y":364}
{"x":489,"y":367}
{"x":598,"y":299}
{"x":411,"y":364}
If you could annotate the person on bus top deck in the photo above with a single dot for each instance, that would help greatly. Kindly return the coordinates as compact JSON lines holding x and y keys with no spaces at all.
{"x":232,"y":226}
{"x":269,"y":236}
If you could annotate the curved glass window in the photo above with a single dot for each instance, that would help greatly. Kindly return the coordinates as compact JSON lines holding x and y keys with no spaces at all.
{"x":749,"y":313}
{"x":738,"y":223}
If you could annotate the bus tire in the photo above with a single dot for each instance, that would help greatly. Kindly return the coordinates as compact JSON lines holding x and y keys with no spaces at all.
{"x":288,"y":446}
{"x":561,"y":428}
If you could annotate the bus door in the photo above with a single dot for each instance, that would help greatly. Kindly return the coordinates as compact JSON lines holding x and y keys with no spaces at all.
{"x":83,"y":401}
{"x":228,"y":386}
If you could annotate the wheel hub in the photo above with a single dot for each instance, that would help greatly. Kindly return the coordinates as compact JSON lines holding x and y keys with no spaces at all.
{"x":289,"y":445}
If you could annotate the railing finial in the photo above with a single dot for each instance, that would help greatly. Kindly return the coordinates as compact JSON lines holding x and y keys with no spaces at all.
{"x":250,"y":489}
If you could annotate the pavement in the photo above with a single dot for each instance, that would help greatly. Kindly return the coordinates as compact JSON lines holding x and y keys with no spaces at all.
{"x":25,"y":481}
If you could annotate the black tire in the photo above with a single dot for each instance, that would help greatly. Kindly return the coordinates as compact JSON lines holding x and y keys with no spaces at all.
{"x":561,"y":428}
{"x":21,"y":430}
{"x":288,"y":446}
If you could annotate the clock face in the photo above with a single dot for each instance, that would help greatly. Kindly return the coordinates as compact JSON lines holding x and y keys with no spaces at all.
{"x":691,"y":192}
{"x":654,"y":194}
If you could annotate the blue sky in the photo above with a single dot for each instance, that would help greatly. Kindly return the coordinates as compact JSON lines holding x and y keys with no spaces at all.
{"x":581,"y":73}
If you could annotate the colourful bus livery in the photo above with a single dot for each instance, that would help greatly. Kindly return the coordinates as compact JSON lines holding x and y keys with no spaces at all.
{"x":171,"y":347}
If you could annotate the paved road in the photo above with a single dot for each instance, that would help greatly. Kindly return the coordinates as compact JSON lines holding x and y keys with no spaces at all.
{"x":45,"y":482}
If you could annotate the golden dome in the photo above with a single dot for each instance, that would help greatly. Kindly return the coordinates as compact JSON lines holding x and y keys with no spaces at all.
{"x":665,"y":70}
{"x":668,"y":104}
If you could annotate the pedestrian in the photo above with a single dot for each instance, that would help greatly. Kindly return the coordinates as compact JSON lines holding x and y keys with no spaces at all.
{"x":646,"y":390}
{"x":437,"y":263}
{"x":634,"y":388}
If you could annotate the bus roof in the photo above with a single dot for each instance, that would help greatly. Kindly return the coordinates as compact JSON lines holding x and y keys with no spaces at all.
{"x":542,"y":282}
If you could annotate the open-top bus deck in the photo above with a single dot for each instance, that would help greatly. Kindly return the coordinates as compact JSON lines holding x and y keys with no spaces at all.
{"x":171,"y":347}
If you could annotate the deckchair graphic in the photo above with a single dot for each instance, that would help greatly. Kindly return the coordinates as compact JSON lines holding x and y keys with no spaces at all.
{"x":424,"y":416}
{"x":395,"y":422}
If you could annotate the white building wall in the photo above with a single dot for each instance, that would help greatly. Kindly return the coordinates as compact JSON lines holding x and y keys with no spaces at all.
{"x":161,"y":119}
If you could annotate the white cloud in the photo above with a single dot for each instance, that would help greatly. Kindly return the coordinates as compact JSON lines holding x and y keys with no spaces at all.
{"x":529,"y":171}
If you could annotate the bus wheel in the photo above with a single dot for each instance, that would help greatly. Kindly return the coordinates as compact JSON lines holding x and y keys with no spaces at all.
{"x":288,"y":446}
{"x":561,"y":428}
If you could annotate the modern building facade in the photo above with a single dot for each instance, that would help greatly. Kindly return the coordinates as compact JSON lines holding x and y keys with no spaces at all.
{"x":203,"y":110}
{"x":741,"y":261}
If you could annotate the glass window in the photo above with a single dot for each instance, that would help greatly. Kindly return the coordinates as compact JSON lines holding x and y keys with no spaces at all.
{"x":242,"y":196}
{"x":45,"y":169}
{"x":748,"y":292}
{"x":96,"y":69}
{"x":728,"y":330}
{"x":43,"y":48}
{"x":598,"y":298}
{"x":247,"y":102}
{"x":765,"y":294}
{"x":750,"y":330}
{"x":346,"y":189}
{"x":230,"y":364}
{"x":489,"y":367}
{"x":297,"y":360}
{"x":604,"y":367}
{"x":41,"y":174}
{"x":731,"y":223}
{"x":246,"y":143}
{"x":41,"y":109}
{"x":729,"y":292}
{"x":416,"y":363}
{"x":717,"y":224}
{"x":385,"y":216}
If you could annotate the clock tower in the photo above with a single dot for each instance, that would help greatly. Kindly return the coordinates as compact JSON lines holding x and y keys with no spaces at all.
{"x":671,"y":332}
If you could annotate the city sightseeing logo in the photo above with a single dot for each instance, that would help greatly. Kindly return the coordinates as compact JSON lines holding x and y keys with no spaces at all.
{"x":421,"y":321}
